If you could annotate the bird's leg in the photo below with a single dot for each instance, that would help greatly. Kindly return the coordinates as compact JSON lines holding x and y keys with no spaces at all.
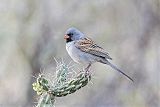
{"x":87,"y":68}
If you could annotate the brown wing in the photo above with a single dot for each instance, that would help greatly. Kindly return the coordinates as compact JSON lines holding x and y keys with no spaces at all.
{"x":88,"y":46}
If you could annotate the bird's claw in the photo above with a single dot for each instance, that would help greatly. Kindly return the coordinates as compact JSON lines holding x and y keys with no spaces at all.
{"x":87,"y":71}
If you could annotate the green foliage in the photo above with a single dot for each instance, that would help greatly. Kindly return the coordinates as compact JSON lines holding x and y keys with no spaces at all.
{"x":63,"y":84}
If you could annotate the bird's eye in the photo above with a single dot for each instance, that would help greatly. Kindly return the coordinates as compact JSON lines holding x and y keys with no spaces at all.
{"x":70,"y":34}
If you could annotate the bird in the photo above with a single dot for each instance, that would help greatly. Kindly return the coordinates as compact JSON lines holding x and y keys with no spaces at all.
{"x":84,"y":50}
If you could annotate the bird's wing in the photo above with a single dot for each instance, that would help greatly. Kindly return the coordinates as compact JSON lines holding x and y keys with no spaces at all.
{"x":89,"y":46}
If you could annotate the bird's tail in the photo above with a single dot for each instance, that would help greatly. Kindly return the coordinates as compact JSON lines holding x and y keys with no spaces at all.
{"x":117,"y":69}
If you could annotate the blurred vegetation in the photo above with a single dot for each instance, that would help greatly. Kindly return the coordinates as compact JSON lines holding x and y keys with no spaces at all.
{"x":31,"y":34}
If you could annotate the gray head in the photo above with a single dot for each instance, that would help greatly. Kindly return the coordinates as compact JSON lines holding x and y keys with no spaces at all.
{"x":73,"y":34}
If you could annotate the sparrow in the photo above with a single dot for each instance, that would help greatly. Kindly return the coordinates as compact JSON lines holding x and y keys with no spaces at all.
{"x":84,"y":50}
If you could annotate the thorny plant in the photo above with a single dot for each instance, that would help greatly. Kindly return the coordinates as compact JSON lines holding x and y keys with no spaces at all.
{"x":66,"y":82}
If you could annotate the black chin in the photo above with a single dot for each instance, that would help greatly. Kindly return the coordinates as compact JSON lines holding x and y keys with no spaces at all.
{"x":68,"y":40}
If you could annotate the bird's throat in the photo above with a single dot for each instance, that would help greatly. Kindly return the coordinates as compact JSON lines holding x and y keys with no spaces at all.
{"x":68,"y":40}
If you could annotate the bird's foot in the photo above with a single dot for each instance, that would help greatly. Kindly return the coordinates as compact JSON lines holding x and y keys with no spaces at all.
{"x":87,"y":70}
{"x":87,"y":73}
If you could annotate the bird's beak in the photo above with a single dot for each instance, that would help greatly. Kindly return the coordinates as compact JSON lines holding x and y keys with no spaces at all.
{"x":66,"y":36}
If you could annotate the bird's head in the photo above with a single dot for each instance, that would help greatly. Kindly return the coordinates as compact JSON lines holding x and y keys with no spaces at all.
{"x":73,"y":34}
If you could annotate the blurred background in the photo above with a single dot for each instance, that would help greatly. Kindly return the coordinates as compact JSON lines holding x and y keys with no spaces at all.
{"x":31,"y":34}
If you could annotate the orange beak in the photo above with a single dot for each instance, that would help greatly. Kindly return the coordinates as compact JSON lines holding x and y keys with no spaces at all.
{"x":66,"y":37}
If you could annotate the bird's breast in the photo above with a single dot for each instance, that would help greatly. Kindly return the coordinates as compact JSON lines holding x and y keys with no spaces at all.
{"x":73,"y":52}
{"x":77,"y":55}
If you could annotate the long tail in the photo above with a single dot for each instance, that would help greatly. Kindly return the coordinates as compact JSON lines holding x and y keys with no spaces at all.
{"x":117,"y":69}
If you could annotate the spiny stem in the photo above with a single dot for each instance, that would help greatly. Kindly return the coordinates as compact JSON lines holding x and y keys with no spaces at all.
{"x":62,"y":84}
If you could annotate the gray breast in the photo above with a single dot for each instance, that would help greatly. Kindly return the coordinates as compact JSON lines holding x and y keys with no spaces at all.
{"x":79,"y":56}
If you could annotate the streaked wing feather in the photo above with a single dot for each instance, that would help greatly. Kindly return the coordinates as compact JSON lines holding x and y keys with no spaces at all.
{"x":89,"y":46}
